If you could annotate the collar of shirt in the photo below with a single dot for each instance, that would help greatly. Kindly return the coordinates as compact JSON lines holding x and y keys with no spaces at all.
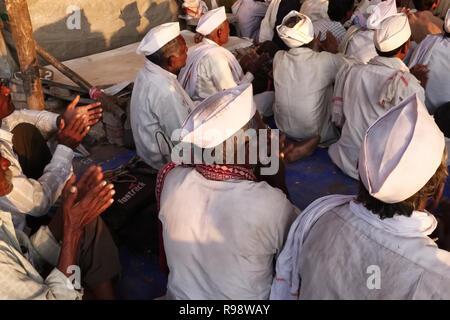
{"x":208,"y":41}
{"x":393,"y":63}
{"x":6,"y":135}
{"x":152,"y":67}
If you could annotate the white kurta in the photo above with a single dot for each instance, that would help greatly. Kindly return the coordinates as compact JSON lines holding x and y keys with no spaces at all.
{"x":213,"y":71}
{"x":315,"y":9}
{"x":266,"y":31}
{"x":158,"y":107}
{"x":361,"y":95}
{"x":343,"y":253}
{"x":221,"y":237}
{"x":434,"y":51}
{"x":249,"y":15}
{"x":23,"y":260}
{"x":30,"y":196}
{"x":303,"y":82}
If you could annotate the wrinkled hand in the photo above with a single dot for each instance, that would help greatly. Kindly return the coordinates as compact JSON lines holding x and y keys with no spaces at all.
{"x":92,"y":111}
{"x":330,"y":44}
{"x":420,"y":71}
{"x":72,"y":134}
{"x":92,"y":177}
{"x":81,"y":209}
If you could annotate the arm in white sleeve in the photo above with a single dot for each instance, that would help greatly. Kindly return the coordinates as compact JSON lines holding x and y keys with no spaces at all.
{"x":35,"y":197}
{"x":43,"y":120}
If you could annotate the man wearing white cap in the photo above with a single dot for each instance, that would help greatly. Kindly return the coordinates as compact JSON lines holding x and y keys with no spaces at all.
{"x":222,"y":227}
{"x":377,"y":245}
{"x":364,"y":92}
{"x":158,"y":104}
{"x":434,"y":51}
{"x":358,"y":41}
{"x":303,"y":81}
{"x":210,"y":68}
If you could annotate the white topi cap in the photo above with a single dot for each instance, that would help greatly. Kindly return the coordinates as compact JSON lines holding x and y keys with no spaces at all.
{"x":302,"y":33}
{"x":400,"y":152}
{"x":447,"y":21}
{"x":380,"y":12}
{"x":157,"y":37}
{"x":211,"y":20}
{"x":393,"y":32}
{"x":219,"y":116}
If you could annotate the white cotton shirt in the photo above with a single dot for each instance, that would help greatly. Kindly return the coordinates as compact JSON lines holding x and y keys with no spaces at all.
{"x":303,"y":82}
{"x":158,"y":107}
{"x":315,"y":9}
{"x":214,"y":74}
{"x":21,"y":261}
{"x":249,"y":16}
{"x":437,"y":91}
{"x":29,"y":196}
{"x":343,"y":255}
{"x":221,"y":237}
{"x":362,"y":93}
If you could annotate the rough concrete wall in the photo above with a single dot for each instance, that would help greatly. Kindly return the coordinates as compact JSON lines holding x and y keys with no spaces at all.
{"x":102,"y":25}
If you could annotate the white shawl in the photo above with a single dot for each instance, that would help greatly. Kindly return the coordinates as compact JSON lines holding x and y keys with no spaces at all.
{"x":266,"y":31}
{"x":286,"y":284}
{"x":422,"y":53}
{"x":188,"y":74}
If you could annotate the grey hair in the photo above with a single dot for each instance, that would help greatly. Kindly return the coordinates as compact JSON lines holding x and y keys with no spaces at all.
{"x":160,"y":57}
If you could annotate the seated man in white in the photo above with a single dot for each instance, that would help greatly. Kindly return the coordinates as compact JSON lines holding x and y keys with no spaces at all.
{"x":158,"y":103}
{"x":378,"y":244}
{"x":37,"y":175}
{"x":434,"y":51}
{"x":210,"y":68}
{"x":223,"y":227}
{"x":364,"y":92}
{"x":304,"y":81}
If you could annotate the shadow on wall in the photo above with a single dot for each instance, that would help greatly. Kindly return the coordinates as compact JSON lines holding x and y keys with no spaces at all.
{"x":65,"y":43}
{"x":94,"y":30}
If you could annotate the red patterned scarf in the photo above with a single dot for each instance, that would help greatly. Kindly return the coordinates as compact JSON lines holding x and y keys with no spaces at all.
{"x":211,"y":172}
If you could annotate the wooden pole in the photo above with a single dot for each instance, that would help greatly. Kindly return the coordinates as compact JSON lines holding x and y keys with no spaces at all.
{"x":22,"y":33}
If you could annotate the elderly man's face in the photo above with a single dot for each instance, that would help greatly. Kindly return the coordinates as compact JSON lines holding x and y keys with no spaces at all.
{"x":6,"y":105}
{"x":179,"y":61}
{"x":5,"y":177}
{"x":224,"y":33}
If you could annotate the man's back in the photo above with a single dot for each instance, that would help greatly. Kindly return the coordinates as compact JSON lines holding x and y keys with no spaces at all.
{"x":221,"y":237}
{"x":303,"y":90}
{"x":424,"y":23}
{"x":367,"y":92}
{"x":158,"y":107}
{"x":345,"y":257}
{"x":437,"y":91}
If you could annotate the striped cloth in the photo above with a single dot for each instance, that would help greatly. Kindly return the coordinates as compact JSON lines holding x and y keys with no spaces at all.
{"x":325,"y":24}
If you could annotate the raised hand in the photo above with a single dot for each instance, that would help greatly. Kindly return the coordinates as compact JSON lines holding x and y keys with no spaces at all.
{"x":72,"y":134}
{"x":81,"y":209}
{"x":92,"y":111}
{"x":330,"y":44}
